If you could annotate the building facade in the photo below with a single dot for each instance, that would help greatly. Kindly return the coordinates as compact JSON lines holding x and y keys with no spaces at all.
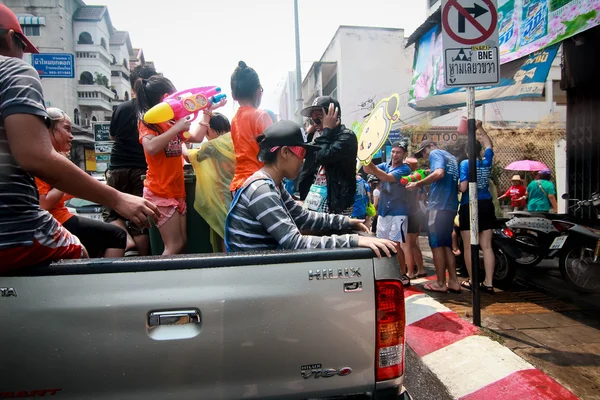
{"x":361,"y":66}
{"x":103,"y":56}
{"x":552,"y":105}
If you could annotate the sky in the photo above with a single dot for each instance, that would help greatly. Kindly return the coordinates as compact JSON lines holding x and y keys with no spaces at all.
{"x":199,"y":42}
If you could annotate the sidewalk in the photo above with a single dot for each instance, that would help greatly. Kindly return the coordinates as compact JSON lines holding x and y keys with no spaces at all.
{"x":559,"y":339}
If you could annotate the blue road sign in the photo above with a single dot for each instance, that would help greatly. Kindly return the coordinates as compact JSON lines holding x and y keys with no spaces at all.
{"x":54,"y":65}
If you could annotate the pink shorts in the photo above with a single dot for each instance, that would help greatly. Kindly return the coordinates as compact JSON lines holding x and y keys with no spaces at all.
{"x":167,"y":207}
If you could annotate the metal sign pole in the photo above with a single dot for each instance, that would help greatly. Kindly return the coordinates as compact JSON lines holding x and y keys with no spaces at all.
{"x":473,"y":206}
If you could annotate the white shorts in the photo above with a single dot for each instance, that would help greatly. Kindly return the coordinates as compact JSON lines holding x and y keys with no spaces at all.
{"x":393,"y":227}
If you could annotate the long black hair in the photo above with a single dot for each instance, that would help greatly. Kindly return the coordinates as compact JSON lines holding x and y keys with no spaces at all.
{"x":219,"y":123}
{"x":244,"y":82}
{"x":149,"y":92}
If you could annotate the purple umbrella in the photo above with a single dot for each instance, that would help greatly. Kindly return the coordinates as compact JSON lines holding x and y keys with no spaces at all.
{"x":526,"y":165}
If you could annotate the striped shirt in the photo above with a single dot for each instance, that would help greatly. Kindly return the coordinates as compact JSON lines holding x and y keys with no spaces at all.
{"x":20,"y":212}
{"x":266,"y":217}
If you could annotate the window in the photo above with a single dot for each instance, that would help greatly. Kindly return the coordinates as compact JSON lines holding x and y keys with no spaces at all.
{"x":85,"y":38}
{"x":76,"y":116}
{"x":86,"y":78}
{"x":126,"y":95}
{"x":31,"y":30}
{"x":331,"y":86}
{"x":103,"y":43}
{"x":432,"y":3}
{"x":125,"y":63}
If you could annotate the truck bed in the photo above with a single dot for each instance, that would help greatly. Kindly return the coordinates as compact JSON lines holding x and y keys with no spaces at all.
{"x":251,"y":326}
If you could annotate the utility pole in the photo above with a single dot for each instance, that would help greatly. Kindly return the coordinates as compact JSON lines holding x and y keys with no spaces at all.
{"x":298,"y":67}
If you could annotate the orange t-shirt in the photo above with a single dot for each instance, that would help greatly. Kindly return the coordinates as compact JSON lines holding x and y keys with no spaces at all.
{"x":164,"y":177}
{"x":246,"y":125}
{"x":59,"y":211}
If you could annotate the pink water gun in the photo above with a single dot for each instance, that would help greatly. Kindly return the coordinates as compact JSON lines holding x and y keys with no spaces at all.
{"x":181,"y":104}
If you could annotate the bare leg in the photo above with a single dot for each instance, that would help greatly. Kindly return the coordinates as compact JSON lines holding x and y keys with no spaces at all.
{"x":466,"y":238}
{"x":408,"y":256}
{"x":171,"y":235}
{"x":401,"y":259}
{"x":142,"y":244}
{"x":455,"y":248}
{"x":416,"y":253}
{"x":451,"y":266}
{"x":130,"y":241}
{"x":183,"y":228}
{"x":489,"y":260}
{"x":439,"y":261}
{"x":114,"y":253}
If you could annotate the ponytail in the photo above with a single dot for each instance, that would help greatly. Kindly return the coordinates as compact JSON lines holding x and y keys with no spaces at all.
{"x":149,"y":92}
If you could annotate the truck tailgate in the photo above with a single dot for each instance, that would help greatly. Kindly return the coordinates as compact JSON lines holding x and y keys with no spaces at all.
{"x":242,"y":331}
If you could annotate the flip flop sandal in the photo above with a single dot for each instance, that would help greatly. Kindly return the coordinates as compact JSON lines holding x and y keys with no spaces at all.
{"x":423,"y":275}
{"x":405,"y":280}
{"x":466,"y":284}
{"x":430,"y":288}
{"x":455,"y":291}
{"x":487,"y":289}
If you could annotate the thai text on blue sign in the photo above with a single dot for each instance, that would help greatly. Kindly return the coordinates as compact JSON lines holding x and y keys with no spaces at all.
{"x":59,"y":65}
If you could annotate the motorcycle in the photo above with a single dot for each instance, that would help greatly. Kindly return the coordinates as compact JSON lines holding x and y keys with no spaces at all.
{"x":505,"y":252}
{"x":535,"y":232}
{"x":578,"y":248}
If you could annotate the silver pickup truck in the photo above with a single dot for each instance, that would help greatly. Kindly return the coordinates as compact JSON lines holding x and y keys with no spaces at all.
{"x":324,"y":324}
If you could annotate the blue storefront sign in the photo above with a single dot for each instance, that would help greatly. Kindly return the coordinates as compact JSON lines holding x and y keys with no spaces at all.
{"x":54,"y":65}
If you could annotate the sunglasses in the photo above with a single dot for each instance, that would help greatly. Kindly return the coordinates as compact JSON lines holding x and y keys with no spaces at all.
{"x":299,"y":151}
{"x":317,"y":121}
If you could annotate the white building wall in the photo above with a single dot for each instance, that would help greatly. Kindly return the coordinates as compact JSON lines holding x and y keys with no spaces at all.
{"x":55,"y":37}
{"x":373,"y":63}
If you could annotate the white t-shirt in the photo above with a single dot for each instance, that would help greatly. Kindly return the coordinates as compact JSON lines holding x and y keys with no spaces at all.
{"x":376,"y":193}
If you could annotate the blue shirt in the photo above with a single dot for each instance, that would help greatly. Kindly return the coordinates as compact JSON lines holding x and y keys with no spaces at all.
{"x":484,"y":171}
{"x":444,"y":193}
{"x":394,"y":198}
{"x":361,"y":198}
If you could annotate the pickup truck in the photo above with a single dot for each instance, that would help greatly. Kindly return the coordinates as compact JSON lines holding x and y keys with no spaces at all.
{"x":313,"y":324}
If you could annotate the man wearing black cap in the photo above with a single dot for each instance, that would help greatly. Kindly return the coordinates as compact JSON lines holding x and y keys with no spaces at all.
{"x":28,"y":234}
{"x":328,"y":180}
{"x":442,"y":209}
{"x":394,"y":204}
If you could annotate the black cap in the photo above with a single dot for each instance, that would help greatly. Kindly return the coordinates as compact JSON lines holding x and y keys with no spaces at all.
{"x":402,"y":144}
{"x":422,"y":146}
{"x":320,"y":103}
{"x":284,"y":133}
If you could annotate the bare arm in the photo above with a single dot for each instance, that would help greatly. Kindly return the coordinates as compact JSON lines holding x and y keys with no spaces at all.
{"x":374,"y":170}
{"x":552,"y":199}
{"x":432,"y":177}
{"x":200,"y":132}
{"x":30,"y":145}
{"x":463,"y":186}
{"x":49,"y":200}
{"x":154,"y":144}
{"x":486,"y":141}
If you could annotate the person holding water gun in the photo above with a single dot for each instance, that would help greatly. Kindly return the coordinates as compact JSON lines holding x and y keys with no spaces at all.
{"x":164,"y":184}
{"x":247,"y":124}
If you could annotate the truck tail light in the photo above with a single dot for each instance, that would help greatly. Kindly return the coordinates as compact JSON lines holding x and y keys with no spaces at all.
{"x":562,"y":226}
{"x":389,"y":360}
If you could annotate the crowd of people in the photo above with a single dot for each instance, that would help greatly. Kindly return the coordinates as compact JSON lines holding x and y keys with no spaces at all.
{"x":261,"y":184}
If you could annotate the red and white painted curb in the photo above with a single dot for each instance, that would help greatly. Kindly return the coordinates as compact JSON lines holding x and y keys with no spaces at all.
{"x":471,"y":366}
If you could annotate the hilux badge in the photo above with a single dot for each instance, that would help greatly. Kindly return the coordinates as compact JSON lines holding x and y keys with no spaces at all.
{"x":339,"y":273}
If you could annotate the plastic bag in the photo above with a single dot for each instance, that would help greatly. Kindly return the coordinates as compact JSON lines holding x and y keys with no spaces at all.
{"x":214,"y":166}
